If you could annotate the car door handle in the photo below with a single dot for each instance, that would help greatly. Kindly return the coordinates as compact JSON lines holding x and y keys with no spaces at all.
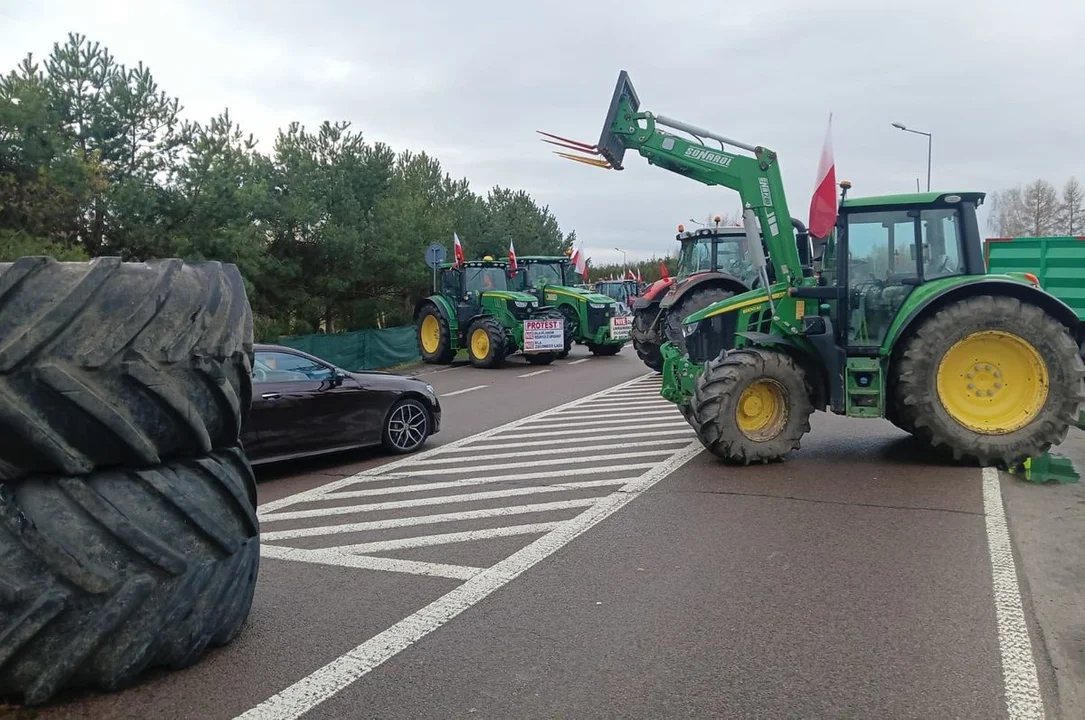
{"x":271,"y":396}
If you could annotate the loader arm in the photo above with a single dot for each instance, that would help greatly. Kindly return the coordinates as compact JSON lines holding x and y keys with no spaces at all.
{"x":756,"y":179}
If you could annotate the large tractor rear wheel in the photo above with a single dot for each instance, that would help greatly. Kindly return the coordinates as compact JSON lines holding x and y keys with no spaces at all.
{"x":751,"y":406}
{"x":691,"y":302}
{"x":647,"y":341}
{"x":434,"y":337}
{"x":990,"y":380}
{"x":486,"y":344}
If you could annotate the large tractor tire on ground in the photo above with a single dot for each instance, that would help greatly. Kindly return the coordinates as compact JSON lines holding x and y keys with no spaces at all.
{"x":109,"y":574}
{"x":604,"y":349}
{"x":751,"y":406}
{"x":691,"y":302}
{"x":486,"y":343}
{"x":434,"y":336}
{"x":105,"y":363}
{"x":647,"y":343}
{"x":571,"y":327}
{"x":990,"y":380}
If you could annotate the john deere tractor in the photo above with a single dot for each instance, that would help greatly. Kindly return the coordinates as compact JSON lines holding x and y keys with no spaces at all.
{"x":893,"y":316}
{"x":476,"y":310}
{"x":592,"y":319}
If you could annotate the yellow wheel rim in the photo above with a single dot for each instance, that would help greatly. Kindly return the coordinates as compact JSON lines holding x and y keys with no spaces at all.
{"x":431,"y":334}
{"x":761,"y":412}
{"x":992,"y":382}
{"x":480,"y":343}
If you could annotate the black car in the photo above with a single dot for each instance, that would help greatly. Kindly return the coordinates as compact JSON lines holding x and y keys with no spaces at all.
{"x":302,"y":405}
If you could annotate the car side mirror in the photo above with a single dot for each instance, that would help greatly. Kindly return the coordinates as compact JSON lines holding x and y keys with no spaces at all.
{"x":338,"y":376}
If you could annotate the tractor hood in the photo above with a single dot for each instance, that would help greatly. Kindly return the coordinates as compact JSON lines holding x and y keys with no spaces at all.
{"x":588,"y":295}
{"x":749,"y":299}
{"x":510,"y":295}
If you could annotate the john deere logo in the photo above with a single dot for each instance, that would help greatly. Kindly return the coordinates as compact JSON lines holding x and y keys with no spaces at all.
{"x":708,"y":156}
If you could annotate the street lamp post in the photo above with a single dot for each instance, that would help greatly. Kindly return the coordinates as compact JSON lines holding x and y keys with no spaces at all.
{"x":625,"y":265}
{"x":900,"y":126}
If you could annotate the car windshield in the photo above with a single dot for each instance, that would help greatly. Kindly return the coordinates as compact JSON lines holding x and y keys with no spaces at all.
{"x":481,"y":279}
{"x":551,"y":272}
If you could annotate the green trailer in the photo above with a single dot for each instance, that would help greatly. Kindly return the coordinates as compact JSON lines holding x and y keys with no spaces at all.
{"x":1056,"y":263}
{"x":592,"y":319}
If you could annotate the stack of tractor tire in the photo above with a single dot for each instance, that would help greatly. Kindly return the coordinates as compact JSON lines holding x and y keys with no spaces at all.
{"x":128,"y":530}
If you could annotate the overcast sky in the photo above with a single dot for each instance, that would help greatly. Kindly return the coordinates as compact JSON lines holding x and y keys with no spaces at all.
{"x":998,"y":83}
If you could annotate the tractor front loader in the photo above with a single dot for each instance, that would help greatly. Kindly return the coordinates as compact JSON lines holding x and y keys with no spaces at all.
{"x":895,"y":316}
{"x":475,"y":309}
{"x":591,"y":319}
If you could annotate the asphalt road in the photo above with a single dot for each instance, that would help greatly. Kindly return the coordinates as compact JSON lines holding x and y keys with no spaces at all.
{"x":564,"y":548}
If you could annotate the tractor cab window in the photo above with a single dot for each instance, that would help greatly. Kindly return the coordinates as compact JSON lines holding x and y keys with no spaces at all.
{"x":941,"y":243}
{"x":482,"y":279}
{"x":882,"y":269}
{"x":537,"y":273}
{"x":731,"y":257}
{"x":695,"y":257}
{"x":450,"y":282}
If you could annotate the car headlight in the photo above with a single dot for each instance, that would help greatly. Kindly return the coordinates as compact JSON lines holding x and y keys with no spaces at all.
{"x":690,"y":328}
{"x":430,"y":390}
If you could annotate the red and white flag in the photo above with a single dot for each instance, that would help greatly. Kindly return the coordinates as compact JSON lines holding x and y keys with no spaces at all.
{"x":512,"y":255}
{"x":823,"y":202}
{"x":457,"y":249}
{"x":581,"y":262}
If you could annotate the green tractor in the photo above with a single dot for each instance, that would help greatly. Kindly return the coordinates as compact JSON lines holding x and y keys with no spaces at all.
{"x":592,"y":319}
{"x":893,"y":316}
{"x":476,"y":310}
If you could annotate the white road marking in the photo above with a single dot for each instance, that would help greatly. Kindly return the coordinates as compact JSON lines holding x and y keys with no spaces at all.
{"x":331,"y":556}
{"x":629,"y":415}
{"x":442,"y":500}
{"x":577,"y":362}
{"x":537,"y":372}
{"x":594,"y":430}
{"x":565,"y":441}
{"x":325,"y":682}
{"x":535,"y":453}
{"x":1023,"y":699}
{"x":448,"y":538}
{"x":582,"y":422}
{"x":461,"y":392}
{"x":484,"y":513}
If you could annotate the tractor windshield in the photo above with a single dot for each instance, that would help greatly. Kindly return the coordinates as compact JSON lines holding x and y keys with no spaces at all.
{"x":696,"y":257}
{"x":535,"y":273}
{"x":481,"y":279}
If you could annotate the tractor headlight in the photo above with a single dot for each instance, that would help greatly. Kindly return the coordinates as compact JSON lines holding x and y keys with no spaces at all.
{"x":690,"y":328}
{"x":596,"y":306}
{"x":522,"y":304}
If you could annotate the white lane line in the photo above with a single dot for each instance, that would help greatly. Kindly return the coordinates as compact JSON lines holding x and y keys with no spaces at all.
{"x":1023,"y":699}
{"x":461,"y":392}
{"x":361,"y":562}
{"x":449,"y":538}
{"x":441,"y":500}
{"x":646,"y":413}
{"x":472,"y":481}
{"x":537,"y":372}
{"x":321,"y":490}
{"x":564,"y":460}
{"x":624,"y":404}
{"x":483,"y":514}
{"x":576,"y":423}
{"x":564,"y":441}
{"x":315,"y":688}
{"x":577,"y":362}
{"x":569,"y":458}
{"x":590,"y":430}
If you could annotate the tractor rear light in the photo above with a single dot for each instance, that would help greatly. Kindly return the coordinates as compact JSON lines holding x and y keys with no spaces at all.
{"x":1032,"y":279}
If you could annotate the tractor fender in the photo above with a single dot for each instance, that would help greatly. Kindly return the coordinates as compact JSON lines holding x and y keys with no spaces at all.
{"x":442,"y":303}
{"x":985,"y":286}
{"x":721,"y":280}
{"x":653,"y":293}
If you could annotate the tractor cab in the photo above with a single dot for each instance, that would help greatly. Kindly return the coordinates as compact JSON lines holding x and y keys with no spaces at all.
{"x":537,"y":272}
{"x":715,"y":250}
{"x":623,"y":291}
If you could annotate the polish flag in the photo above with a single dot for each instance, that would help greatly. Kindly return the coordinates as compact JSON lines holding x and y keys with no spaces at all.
{"x":457,"y":249}
{"x":663,"y":271}
{"x":512,"y":255}
{"x":581,"y":263}
{"x":823,"y":202}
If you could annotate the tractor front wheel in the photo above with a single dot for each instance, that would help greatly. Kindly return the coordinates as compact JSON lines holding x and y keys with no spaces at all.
{"x":990,"y":380}
{"x":486,"y":345}
{"x":692,"y":302}
{"x":544,"y":358}
{"x":434,"y":338}
{"x":751,"y":405}
{"x":604,"y":349}
{"x":647,"y":343}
